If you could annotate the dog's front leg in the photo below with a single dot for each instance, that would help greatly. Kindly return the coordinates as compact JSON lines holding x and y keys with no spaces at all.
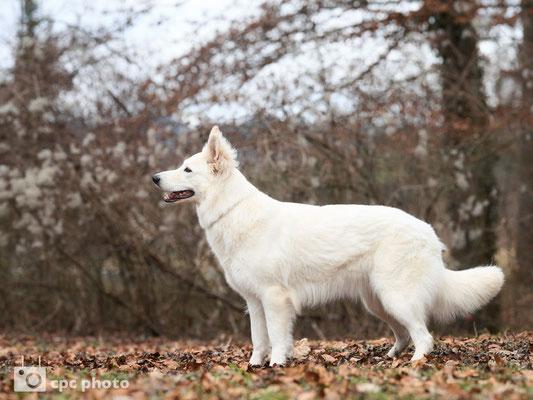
{"x":259,"y":331}
{"x":280,"y":314}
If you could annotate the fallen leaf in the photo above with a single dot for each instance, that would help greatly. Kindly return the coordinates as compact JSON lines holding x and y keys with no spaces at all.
{"x":329,"y":359}
{"x":301,"y":349}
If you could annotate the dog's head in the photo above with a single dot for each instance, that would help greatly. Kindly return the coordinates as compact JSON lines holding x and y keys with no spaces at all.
{"x":191,"y":181}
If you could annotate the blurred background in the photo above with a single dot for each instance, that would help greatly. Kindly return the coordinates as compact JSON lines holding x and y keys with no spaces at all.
{"x":424,"y":105}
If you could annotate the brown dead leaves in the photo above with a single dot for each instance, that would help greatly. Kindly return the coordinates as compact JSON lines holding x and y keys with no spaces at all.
{"x":497,"y":367}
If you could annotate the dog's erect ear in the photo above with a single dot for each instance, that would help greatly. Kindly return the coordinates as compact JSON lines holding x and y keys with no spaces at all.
{"x":220,"y":155}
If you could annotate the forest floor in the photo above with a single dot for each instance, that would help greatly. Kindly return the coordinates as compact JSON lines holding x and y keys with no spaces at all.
{"x":495,"y":367}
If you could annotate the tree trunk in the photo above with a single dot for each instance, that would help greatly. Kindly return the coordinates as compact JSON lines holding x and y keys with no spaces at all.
{"x":524,"y":244}
{"x":468,"y":156}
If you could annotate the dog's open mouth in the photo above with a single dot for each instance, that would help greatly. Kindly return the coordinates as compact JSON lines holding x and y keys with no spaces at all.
{"x":172,"y":197}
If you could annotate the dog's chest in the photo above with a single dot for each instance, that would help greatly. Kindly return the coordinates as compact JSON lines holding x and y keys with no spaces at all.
{"x":238,"y":278}
{"x":220,"y":248}
{"x":237,"y":274}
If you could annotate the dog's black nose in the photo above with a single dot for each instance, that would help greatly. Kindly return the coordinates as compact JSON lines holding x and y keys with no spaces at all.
{"x":156,"y":179}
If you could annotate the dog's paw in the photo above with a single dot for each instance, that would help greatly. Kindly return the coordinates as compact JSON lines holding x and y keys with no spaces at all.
{"x":398,"y":348}
{"x":257,"y":359}
{"x":278,"y":361}
{"x":275,"y":364}
{"x":392,"y":353}
{"x":395,"y":351}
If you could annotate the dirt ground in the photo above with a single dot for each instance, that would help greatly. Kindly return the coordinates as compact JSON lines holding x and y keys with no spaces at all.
{"x":493,"y":367}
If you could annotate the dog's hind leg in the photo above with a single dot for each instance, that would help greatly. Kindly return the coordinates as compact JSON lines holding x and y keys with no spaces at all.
{"x":374,"y":306}
{"x":413,"y":318}
{"x":280,"y":315}
{"x":404,"y":279}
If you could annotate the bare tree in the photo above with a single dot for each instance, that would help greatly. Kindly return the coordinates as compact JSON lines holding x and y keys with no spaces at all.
{"x":524,"y":244}
{"x":468,"y":155}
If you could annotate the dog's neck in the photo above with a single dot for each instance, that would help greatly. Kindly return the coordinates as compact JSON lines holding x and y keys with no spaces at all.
{"x":233,"y":191}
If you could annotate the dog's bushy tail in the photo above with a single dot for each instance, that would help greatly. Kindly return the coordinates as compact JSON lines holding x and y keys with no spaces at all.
{"x":463,"y":292}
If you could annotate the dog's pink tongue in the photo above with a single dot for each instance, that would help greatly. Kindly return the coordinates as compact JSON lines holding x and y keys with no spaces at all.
{"x":168,"y":196}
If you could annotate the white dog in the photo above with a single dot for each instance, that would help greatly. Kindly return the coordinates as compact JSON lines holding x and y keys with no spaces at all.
{"x":281,"y":257}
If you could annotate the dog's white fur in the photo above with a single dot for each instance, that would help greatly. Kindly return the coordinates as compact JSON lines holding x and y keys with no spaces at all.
{"x":281,"y":257}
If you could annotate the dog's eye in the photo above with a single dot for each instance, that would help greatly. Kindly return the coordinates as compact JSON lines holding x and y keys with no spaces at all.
{"x":187,"y":169}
